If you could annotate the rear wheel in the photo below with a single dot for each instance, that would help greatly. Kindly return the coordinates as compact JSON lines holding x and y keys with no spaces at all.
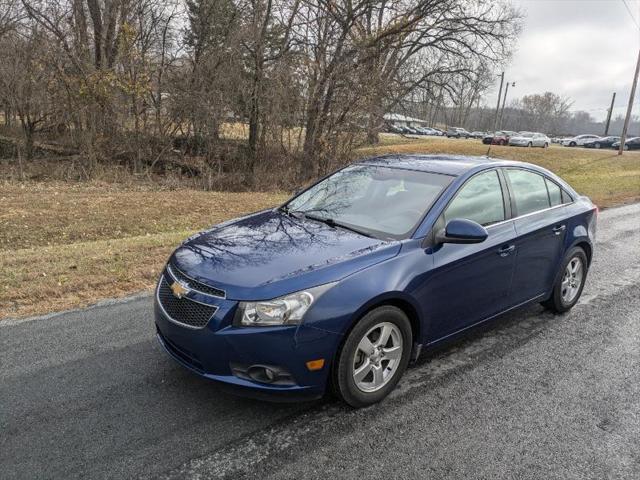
{"x":572,"y":144}
{"x":546,"y":145}
{"x":570,"y":282}
{"x":597,"y":145}
{"x":373,"y":357}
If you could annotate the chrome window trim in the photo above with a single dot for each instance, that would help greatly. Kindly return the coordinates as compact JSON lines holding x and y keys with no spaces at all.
{"x":175,"y":278}
{"x":528,"y":214}
{"x":173,"y":320}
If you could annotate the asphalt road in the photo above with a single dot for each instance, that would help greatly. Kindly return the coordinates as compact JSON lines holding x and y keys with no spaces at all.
{"x":89,"y":394}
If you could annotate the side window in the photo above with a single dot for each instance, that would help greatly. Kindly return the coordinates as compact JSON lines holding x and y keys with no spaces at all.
{"x":555,"y":193}
{"x":529,"y":190}
{"x":480,"y":200}
{"x":566,"y":198}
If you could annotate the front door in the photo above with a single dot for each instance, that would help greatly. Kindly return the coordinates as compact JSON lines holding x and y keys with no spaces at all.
{"x":469,"y":283}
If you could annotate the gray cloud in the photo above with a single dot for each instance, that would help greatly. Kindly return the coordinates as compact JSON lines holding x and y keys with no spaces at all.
{"x":582,"y":49}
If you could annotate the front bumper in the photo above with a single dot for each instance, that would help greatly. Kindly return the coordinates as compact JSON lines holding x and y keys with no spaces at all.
{"x":216,"y":351}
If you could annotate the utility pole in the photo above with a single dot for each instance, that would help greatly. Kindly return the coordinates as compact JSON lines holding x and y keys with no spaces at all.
{"x":504,"y":100}
{"x":623,"y":137}
{"x":606,"y":127}
{"x":495,"y":121}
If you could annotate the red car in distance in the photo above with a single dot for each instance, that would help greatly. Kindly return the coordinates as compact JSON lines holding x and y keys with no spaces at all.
{"x":498,"y":138}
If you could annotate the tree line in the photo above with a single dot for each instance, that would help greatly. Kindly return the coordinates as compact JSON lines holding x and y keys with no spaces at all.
{"x":244,"y":86}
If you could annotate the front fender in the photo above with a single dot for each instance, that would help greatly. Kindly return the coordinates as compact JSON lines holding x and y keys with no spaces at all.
{"x":387,"y":282}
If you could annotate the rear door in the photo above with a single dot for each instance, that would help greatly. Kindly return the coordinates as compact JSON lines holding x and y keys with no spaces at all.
{"x":471,"y":282}
{"x":541,"y":226}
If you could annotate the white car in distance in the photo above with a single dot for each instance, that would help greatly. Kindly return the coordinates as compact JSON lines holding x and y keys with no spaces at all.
{"x":579,"y":140}
{"x":529,"y":139}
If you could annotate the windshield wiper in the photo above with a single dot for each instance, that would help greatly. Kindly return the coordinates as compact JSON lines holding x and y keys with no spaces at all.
{"x":332,"y":223}
{"x":287,"y":211}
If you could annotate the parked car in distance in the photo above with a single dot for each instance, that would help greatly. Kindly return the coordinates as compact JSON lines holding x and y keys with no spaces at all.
{"x":529,"y":139}
{"x":579,"y":140}
{"x":602,"y":142}
{"x":498,"y":138}
{"x":439,"y":132}
{"x":458,"y":132}
{"x":478,"y":134}
{"x":426,"y":131}
{"x":630,"y":144}
{"x":350,"y":279}
{"x":488,"y":137}
{"x":395,"y":129}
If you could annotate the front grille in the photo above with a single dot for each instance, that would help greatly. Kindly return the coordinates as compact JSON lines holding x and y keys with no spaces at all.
{"x":194,"y":284}
{"x":183,"y":310}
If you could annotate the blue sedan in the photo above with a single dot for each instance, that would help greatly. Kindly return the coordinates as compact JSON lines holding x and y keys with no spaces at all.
{"x":346,"y":283}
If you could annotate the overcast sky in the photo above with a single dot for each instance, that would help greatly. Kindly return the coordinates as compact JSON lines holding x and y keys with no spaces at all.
{"x":583,"y":49}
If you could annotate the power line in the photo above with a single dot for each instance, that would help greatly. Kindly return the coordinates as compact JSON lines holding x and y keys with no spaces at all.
{"x":626,"y":5}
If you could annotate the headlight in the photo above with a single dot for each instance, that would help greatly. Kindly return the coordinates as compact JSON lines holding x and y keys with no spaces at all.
{"x":286,"y":310}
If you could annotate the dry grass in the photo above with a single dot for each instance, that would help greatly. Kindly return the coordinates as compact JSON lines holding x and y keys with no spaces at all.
{"x":605,"y":177}
{"x":74,"y":244}
{"x":65,"y":245}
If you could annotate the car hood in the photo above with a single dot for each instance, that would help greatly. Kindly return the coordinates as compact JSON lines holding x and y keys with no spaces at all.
{"x":269,"y":254}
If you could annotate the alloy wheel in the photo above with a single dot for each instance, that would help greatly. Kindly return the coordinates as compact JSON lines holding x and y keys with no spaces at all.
{"x":572,"y":280}
{"x":377,"y":357}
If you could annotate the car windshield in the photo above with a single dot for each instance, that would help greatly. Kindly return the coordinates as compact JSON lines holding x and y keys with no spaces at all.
{"x":374,"y":200}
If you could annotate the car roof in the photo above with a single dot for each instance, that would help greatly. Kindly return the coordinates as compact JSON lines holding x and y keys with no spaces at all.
{"x":445,"y":164}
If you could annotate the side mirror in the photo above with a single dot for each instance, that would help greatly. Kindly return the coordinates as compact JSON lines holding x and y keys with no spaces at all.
{"x":459,"y":230}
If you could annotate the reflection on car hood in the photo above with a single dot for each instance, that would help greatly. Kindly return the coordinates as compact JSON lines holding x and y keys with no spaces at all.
{"x":269,"y":254}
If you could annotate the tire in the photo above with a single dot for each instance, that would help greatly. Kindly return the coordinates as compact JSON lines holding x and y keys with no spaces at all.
{"x":572,"y":144}
{"x":372,"y":388}
{"x":502,"y":142}
{"x":597,"y":145}
{"x":626,"y":147}
{"x":546,"y":145}
{"x":529,"y":144}
{"x":560,"y":300}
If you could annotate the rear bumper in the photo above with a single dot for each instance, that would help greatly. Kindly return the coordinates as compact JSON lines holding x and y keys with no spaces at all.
{"x":213,"y":354}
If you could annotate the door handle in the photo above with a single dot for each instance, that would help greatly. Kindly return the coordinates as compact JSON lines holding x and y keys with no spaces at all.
{"x":506,"y":250}
{"x":558,"y":229}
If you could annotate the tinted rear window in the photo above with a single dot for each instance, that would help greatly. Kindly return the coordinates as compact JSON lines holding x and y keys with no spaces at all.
{"x":529,"y":190}
{"x":555,"y":193}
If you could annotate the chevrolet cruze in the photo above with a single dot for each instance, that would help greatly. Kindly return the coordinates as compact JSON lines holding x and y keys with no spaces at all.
{"x":348,"y":281}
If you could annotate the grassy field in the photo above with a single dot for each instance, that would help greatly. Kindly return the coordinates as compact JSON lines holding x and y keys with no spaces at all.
{"x":69,"y":245}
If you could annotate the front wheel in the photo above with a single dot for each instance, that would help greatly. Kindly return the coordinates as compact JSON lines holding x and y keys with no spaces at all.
{"x":597,"y":145}
{"x":546,"y":145}
{"x":570,"y":282}
{"x":373,"y":357}
{"x":529,"y":144}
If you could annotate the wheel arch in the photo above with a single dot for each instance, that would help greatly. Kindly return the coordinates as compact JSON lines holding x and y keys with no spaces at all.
{"x":395,"y":299}
{"x":588,"y":249}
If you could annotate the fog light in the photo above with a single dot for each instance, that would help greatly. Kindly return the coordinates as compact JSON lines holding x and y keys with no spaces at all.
{"x":271,"y":374}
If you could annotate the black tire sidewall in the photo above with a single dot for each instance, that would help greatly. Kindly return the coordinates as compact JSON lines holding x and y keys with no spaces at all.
{"x":343,"y":380}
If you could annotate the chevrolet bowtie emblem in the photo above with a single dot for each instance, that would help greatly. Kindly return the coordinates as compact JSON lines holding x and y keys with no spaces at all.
{"x":179,"y":290}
